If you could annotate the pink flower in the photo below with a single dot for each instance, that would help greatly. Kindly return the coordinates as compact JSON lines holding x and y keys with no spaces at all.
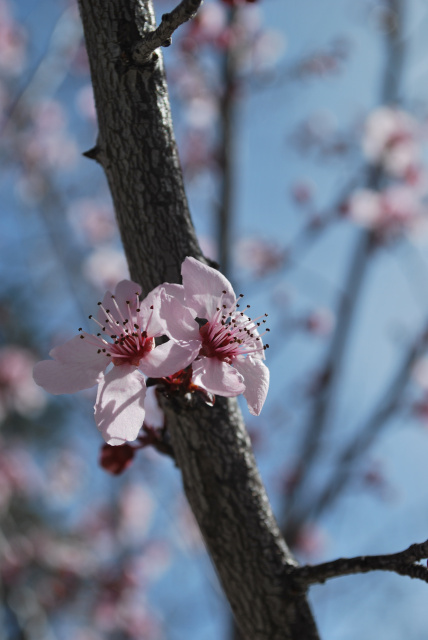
{"x":17,"y":389}
{"x":132,"y":327}
{"x":227,"y":349}
{"x":390,"y":139}
{"x":387,"y":212}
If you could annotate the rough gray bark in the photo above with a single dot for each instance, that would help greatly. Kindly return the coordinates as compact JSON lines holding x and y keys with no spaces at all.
{"x":136,"y":145}
{"x":137,"y":151}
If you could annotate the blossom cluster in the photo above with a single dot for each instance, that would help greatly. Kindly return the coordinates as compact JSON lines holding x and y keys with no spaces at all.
{"x":391,"y":142}
{"x":205,"y":327}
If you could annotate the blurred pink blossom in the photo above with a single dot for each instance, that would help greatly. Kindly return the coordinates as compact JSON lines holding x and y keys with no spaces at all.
{"x":93,"y":220}
{"x":152,"y":563}
{"x":210,"y":22}
{"x":47,"y":144}
{"x":65,"y":474}
{"x":258,"y":48}
{"x":201,"y":111}
{"x":197,"y":153}
{"x":259,"y":256}
{"x":391,"y":139}
{"x":311,"y":541}
{"x":86,"y":103}
{"x":136,"y":512}
{"x":320,"y":322}
{"x":419,"y":373}
{"x":105,"y":266}
{"x":18,"y":391}
{"x":13,"y":40}
{"x":302,"y":192}
{"x":388,"y":212}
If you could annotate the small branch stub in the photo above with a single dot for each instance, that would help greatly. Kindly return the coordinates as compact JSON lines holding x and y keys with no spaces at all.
{"x":161,"y":36}
{"x":405,"y":563}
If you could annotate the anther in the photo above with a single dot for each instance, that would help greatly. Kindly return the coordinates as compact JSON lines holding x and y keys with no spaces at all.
{"x":82,"y":337}
{"x":99,"y":303}
{"x":80,"y":329}
{"x":90,"y":317}
{"x":224,"y":291}
{"x":151,"y":306}
{"x":112,"y":297}
{"x":138,"y":310}
{"x":99,"y":351}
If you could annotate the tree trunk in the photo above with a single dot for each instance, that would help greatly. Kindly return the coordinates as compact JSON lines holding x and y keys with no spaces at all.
{"x":137,"y":150}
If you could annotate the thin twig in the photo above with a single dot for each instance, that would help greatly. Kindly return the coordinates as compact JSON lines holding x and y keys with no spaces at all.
{"x":403,"y":563}
{"x":161,"y":36}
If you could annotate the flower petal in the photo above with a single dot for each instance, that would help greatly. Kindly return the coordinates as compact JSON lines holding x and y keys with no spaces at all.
{"x":76,"y":365}
{"x":119,"y":408}
{"x":126,"y":290}
{"x":169,"y":358}
{"x":256,"y":378}
{"x":176,"y":291}
{"x":218,"y":377}
{"x":179,"y":321}
{"x":203,"y":288}
{"x":149,"y":318}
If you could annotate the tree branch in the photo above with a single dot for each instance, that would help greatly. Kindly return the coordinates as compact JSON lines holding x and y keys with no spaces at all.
{"x":212,"y":449}
{"x":403,"y":563}
{"x":161,"y":37}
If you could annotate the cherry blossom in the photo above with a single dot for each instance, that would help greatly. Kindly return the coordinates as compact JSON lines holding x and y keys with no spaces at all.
{"x":17,"y":389}
{"x":390,"y":140}
{"x":260,"y":256}
{"x":132,"y":327}
{"x":227,"y":349}
{"x":105,"y":266}
{"x":396,"y":208}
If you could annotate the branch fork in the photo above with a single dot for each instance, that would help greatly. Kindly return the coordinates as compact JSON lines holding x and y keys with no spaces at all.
{"x":404,"y":563}
{"x":162,"y":35}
